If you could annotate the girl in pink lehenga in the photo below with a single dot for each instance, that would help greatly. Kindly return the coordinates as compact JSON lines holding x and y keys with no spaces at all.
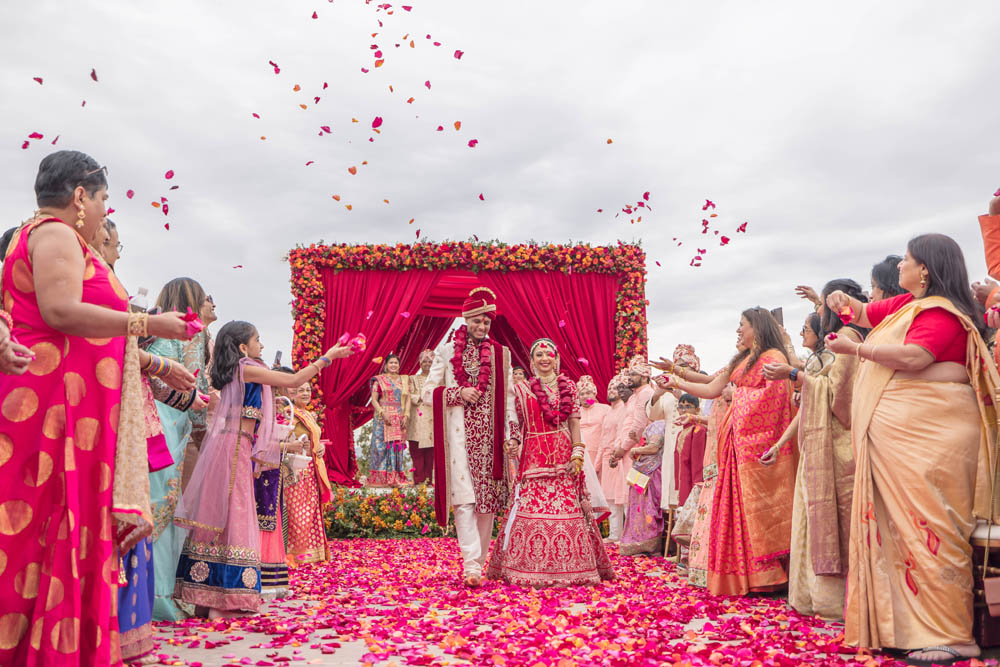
{"x":550,"y":536}
{"x":220,"y":565}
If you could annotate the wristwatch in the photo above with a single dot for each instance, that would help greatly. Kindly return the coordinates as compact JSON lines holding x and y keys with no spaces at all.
{"x":794,"y":375}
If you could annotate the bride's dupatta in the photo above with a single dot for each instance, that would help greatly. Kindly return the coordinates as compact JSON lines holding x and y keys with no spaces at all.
{"x":864,"y":614}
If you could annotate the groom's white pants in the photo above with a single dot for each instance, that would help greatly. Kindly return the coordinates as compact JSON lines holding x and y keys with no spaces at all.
{"x":474,"y":532}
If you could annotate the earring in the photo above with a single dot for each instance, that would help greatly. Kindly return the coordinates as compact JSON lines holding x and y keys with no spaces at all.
{"x":923,"y":281}
{"x":80,"y":216}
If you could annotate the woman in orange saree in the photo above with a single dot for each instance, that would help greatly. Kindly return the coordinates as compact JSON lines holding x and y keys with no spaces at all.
{"x":752,"y":503}
{"x":58,"y":428}
{"x":305,"y":498}
{"x":923,"y":426}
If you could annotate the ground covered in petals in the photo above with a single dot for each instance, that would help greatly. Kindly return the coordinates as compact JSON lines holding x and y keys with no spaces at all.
{"x":401,"y":601}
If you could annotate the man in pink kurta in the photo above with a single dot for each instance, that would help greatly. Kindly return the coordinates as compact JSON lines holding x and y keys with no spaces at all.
{"x":592,"y":416}
{"x":618,"y":394}
{"x":636,"y":420}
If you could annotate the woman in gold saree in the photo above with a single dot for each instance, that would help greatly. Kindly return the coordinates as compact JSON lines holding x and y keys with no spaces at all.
{"x":824,"y":481}
{"x":924,"y":450}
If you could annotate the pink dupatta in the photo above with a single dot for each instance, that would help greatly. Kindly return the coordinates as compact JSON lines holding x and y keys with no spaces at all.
{"x":204,"y":507}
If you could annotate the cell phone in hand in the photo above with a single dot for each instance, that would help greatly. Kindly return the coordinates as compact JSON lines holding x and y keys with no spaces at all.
{"x":779,"y":315}
{"x":277,"y":358}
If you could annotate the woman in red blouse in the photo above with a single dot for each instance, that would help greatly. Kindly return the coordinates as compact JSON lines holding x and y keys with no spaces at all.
{"x":919,"y":425}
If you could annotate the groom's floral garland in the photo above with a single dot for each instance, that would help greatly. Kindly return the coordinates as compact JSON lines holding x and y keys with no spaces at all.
{"x":458,"y":367}
{"x":625,"y":261}
{"x":550,"y":415}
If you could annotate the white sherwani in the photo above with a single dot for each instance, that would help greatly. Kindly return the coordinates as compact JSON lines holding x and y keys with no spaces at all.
{"x":474,"y":514}
{"x":442,"y":374}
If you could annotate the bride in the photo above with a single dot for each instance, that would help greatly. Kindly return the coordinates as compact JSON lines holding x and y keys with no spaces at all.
{"x":550,"y":536}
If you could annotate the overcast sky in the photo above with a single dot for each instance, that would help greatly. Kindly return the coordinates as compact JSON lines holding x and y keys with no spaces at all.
{"x":836,"y":131}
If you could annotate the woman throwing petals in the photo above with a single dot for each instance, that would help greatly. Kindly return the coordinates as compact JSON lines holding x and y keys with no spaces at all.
{"x":752,"y":506}
{"x":920,"y":427}
{"x":824,"y":482}
{"x":58,"y":426}
{"x":550,"y":536}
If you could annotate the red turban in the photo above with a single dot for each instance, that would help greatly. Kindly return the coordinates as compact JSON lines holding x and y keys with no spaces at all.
{"x":481,"y":301}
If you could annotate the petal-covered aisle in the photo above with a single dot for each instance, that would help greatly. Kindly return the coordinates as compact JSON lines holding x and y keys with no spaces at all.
{"x":400,"y":601}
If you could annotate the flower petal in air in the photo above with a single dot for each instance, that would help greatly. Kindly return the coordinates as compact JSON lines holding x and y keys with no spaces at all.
{"x":377,"y":122}
{"x":352,"y":170}
{"x":129,"y":194}
{"x":93,"y":74}
{"x":38,"y":79}
{"x":459,"y":54}
{"x":169,"y":174}
{"x":35,"y":135}
{"x":473,"y":142}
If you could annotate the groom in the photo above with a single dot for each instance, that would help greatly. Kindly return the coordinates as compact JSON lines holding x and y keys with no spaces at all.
{"x":471,"y":391}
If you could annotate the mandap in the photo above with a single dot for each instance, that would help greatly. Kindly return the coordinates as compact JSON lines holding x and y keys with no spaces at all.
{"x":404,"y":298}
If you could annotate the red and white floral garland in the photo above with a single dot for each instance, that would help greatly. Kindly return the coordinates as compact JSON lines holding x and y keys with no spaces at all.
{"x":458,"y":367}
{"x":550,"y":415}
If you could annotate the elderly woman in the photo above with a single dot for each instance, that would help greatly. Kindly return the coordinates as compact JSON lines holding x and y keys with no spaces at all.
{"x":59,"y":424}
{"x":919,"y":427}
{"x":824,"y":481}
{"x":752,"y":506}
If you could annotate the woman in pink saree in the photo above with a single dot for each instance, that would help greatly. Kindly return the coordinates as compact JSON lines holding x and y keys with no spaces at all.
{"x":60,"y":512}
{"x":549,"y":536}
{"x":752,"y":505}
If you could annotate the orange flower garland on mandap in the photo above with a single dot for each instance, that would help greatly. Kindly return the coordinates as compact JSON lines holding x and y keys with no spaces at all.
{"x":625,"y":260}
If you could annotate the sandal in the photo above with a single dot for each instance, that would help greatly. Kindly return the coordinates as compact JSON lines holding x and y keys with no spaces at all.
{"x":956,"y":657}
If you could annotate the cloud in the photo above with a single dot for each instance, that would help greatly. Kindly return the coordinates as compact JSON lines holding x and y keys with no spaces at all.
{"x":837,"y":132}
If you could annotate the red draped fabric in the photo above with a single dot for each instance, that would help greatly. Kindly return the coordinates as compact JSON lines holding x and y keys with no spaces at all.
{"x":449,"y":293}
{"x":350,"y":297}
{"x":535,"y":302}
{"x":531,"y":305}
{"x":503,"y":333}
{"x":425,"y":332}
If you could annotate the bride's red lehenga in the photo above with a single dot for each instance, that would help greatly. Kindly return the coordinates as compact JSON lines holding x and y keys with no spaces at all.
{"x":549,"y":536}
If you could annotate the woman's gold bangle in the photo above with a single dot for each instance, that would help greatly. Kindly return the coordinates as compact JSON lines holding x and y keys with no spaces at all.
{"x":138,"y":324}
